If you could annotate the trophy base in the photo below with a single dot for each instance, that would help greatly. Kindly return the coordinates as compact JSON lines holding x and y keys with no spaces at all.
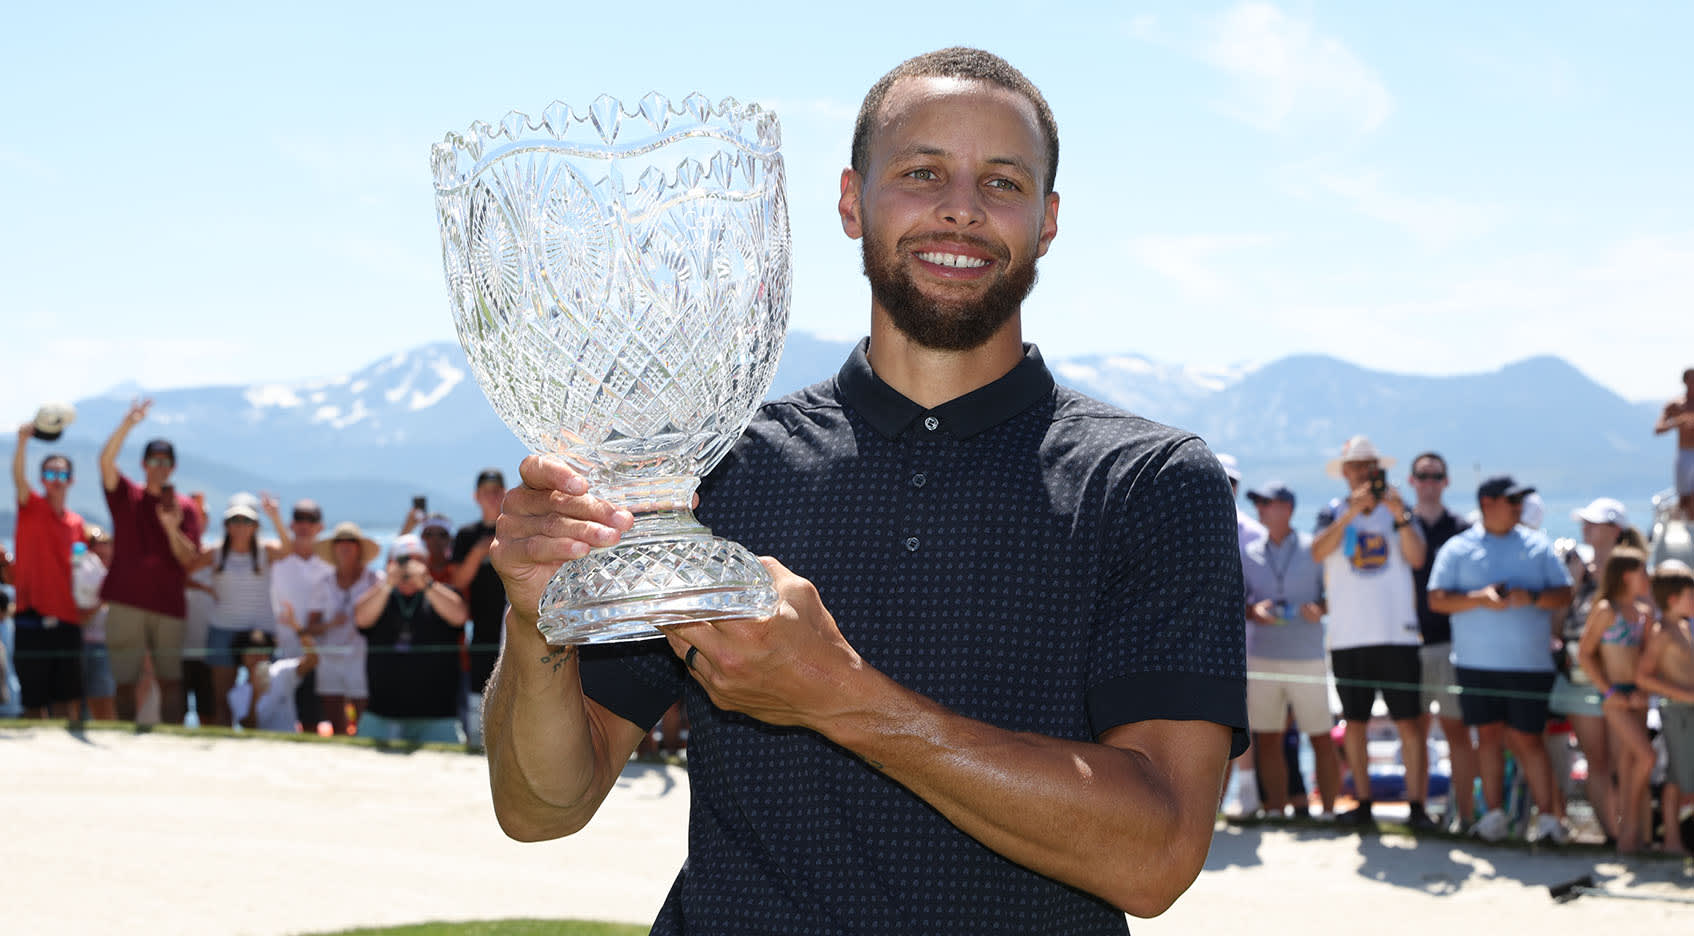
{"x":621,"y":592}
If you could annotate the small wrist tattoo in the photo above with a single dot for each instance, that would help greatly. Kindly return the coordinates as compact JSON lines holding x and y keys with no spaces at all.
{"x":558,"y":658}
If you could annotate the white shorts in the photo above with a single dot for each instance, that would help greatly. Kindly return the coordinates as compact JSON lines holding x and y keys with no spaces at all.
{"x":341,"y":671}
{"x":1439,"y":680}
{"x":1684,"y":472}
{"x":1273,"y":686}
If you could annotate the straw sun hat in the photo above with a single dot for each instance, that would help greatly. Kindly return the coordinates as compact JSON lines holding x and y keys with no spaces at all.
{"x":348,"y":531}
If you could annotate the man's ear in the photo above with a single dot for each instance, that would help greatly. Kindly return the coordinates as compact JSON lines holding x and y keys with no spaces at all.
{"x":1049,"y":224}
{"x":852,"y":189}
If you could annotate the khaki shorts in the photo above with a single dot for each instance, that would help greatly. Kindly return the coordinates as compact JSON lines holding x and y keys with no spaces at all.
{"x":1275,"y":686}
{"x":1439,"y":679}
{"x":131,"y":631}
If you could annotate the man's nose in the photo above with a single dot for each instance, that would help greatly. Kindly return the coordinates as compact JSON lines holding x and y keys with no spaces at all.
{"x":961,"y":202}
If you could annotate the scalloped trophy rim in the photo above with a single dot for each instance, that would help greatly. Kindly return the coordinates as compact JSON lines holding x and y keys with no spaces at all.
{"x":604,"y":118}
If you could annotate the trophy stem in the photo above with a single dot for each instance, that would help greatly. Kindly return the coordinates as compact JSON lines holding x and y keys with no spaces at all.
{"x":666,"y":569}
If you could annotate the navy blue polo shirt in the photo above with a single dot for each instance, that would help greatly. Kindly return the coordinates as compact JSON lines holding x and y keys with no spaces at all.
{"x":1023,"y":555}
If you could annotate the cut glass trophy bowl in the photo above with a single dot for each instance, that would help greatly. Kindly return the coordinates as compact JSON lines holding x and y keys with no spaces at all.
{"x":619,"y":280}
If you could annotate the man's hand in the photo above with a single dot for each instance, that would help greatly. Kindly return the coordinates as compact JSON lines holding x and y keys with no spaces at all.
{"x":788,"y":669}
{"x":25,"y":431}
{"x":1312,"y":612}
{"x":1263,"y":612}
{"x":1391,"y":497}
{"x":1361,"y":501}
{"x":1490,"y":598}
{"x":137,"y":411}
{"x":1519,"y":598}
{"x":546,"y":521}
{"x":169,"y":516}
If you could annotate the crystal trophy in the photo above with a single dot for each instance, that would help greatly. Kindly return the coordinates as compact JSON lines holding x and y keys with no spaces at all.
{"x":620,"y":282}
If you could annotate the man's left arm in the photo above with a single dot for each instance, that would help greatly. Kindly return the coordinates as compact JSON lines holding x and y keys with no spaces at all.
{"x":1127,"y":817}
{"x":1412,"y":544}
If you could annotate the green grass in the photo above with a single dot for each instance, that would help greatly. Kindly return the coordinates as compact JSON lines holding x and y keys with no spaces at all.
{"x":502,"y":928}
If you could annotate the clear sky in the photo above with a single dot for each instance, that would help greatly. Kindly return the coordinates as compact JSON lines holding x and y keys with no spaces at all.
{"x":240,"y":192}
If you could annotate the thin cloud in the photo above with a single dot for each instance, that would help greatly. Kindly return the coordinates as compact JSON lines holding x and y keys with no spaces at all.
{"x":1287,"y":73}
{"x":1186,"y":260}
{"x":1435,"y":221}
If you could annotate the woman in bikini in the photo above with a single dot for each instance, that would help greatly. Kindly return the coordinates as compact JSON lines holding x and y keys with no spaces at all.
{"x":1609,"y":652}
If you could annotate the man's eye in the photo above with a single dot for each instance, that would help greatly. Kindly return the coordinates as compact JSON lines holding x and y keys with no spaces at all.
{"x":1005,"y":184}
{"x":925,"y":174}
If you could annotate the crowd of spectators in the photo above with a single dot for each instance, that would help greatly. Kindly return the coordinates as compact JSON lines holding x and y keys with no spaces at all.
{"x":286,"y":632}
{"x":1512,"y":642}
{"x":1480,"y":624}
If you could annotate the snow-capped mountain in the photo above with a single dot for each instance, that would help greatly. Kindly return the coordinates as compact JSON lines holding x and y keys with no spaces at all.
{"x":415,"y":423}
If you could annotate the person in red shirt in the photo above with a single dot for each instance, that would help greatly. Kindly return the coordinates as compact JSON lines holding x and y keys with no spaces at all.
{"x":49,"y":658}
{"x":155,"y":538}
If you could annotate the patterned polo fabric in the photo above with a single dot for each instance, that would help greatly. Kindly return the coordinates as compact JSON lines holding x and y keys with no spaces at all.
{"x":1025,"y":556}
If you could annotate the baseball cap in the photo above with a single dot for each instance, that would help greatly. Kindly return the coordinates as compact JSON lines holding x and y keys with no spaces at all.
{"x":437,"y":522}
{"x":1603,"y":510}
{"x":1271,"y":491}
{"x":1231,"y":468}
{"x":51,"y":420}
{"x":159,"y":447}
{"x":490,"y":475}
{"x":307,"y":510}
{"x":243,"y":505}
{"x":1503,"y":486}
{"x":409,"y":546}
{"x":253,"y":640}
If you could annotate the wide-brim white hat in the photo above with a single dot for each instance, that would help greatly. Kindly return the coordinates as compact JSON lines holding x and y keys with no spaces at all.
{"x":348,"y":531}
{"x":1358,"y":448}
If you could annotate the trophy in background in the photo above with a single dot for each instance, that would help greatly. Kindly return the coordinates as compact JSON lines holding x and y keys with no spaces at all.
{"x":620,"y":284}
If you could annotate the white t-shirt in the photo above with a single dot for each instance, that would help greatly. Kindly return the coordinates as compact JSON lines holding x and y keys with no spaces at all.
{"x":1368,"y":583}
{"x":300,"y":583}
{"x":199,"y":620}
{"x":87,"y":575}
{"x":338,"y":602}
{"x":276,"y":706}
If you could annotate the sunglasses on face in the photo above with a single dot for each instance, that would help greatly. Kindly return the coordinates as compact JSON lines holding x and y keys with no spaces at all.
{"x":1516,"y":500}
{"x":1430,"y":476}
{"x":307,"y":519}
{"x":157,"y":461}
{"x":55,"y":476}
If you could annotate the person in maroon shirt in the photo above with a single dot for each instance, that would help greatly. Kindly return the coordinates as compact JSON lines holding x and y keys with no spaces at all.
{"x":49,"y":659}
{"x":155,"y":537}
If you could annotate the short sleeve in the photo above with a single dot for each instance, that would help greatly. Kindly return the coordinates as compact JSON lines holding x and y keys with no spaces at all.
{"x":1168,"y":637}
{"x":462,"y":543}
{"x":1443,"y":575}
{"x":1557,"y":576}
{"x":636,"y":681}
{"x":1326,"y":516}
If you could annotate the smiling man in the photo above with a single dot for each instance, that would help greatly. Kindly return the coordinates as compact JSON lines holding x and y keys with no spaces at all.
{"x":1007,"y":669}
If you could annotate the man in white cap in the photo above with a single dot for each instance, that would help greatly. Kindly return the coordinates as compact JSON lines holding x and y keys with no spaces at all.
{"x":1368,"y":546}
{"x":1679,"y":415}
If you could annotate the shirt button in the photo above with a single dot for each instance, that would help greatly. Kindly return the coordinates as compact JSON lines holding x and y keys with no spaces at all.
{"x":911,"y":544}
{"x":918,"y":479}
{"x":931,"y":423}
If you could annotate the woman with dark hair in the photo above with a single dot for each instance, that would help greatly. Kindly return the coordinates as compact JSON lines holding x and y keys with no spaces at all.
{"x":1609,"y":651}
{"x":241,"y":588}
{"x":1605,"y":526}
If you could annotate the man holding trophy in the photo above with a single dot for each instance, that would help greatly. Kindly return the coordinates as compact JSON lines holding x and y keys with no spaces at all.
{"x":1006,"y":668}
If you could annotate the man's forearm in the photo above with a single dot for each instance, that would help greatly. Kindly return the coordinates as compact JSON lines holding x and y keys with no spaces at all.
{"x":1106,"y":820}
{"x":549,"y":767}
{"x":1328,"y":539}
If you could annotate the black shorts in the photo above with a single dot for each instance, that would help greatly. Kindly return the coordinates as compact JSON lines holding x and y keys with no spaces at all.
{"x":1392,"y":669}
{"x":1519,"y":699}
{"x":49,"y":661}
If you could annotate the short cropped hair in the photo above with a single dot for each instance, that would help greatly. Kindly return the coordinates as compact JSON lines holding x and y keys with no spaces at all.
{"x":1423,"y":455}
{"x":50,"y":459}
{"x":963,"y":63}
{"x":1668,"y":583}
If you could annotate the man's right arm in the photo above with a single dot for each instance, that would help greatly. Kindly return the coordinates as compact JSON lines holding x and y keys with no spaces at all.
{"x":109,"y":454}
{"x":1328,"y":539}
{"x":553,"y":753}
{"x":20,"y":473}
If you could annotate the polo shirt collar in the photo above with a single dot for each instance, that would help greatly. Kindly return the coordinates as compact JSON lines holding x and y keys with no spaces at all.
{"x":892,"y":414}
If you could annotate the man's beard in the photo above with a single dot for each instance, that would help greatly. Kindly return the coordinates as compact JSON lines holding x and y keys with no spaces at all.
{"x":936,"y":324}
